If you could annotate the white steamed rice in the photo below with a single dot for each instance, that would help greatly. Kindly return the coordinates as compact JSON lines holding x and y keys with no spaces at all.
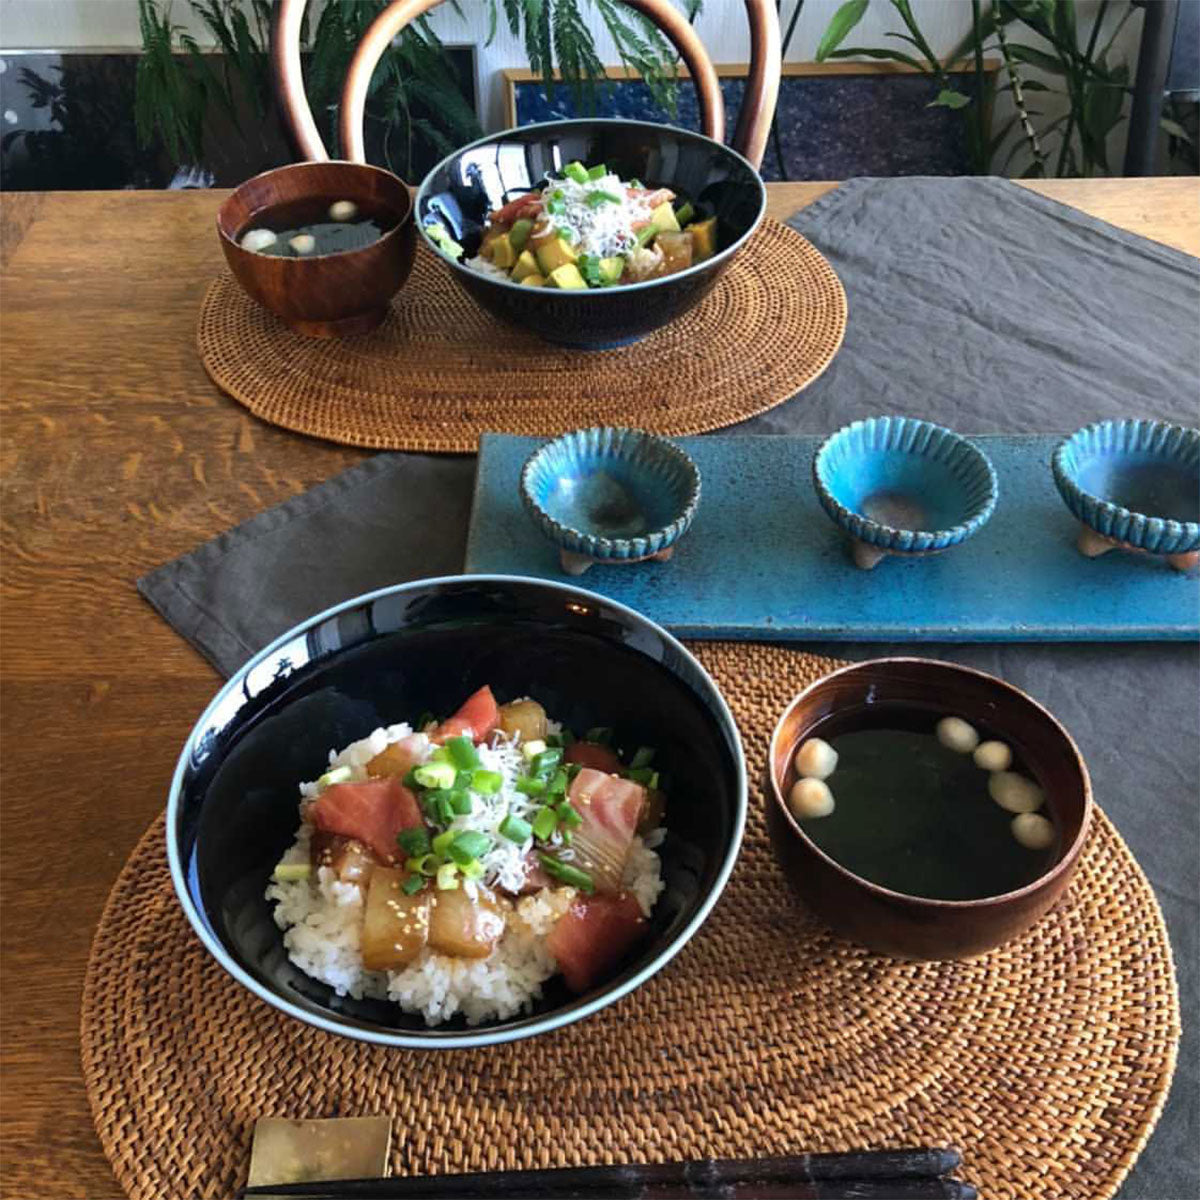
{"x":322,"y":918}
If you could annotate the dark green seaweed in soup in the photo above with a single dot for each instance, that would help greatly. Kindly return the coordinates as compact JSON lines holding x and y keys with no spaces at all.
{"x":916,"y":817}
{"x":310,"y":216}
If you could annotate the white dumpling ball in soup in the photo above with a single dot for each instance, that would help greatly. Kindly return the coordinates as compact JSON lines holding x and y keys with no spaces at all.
{"x":958,"y":735}
{"x":1032,"y":830}
{"x":816,"y":759}
{"x":1014,"y":792}
{"x":993,"y":756}
{"x":257,"y":240}
{"x":303,"y":243}
{"x":343,"y":210}
{"x":810,"y":798}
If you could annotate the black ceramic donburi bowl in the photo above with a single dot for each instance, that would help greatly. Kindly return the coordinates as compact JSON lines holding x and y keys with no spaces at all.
{"x":387,"y":657}
{"x":464,"y":188}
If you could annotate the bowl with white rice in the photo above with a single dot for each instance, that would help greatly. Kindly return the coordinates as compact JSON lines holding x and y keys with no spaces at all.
{"x":457,"y":812}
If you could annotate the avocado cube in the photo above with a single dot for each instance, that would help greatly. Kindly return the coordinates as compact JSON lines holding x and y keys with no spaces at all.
{"x":704,"y":239}
{"x":519,"y":233}
{"x":567,"y":276}
{"x":664,"y":218}
{"x":553,"y":253}
{"x":526,"y":265}
{"x":610,"y":269}
{"x":504,"y":254}
{"x":534,"y":281}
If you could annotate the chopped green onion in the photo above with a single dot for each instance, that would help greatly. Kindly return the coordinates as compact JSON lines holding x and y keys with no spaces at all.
{"x":589,"y":268}
{"x":573,"y":769}
{"x":445,"y":809}
{"x":558,"y":784}
{"x":636,"y":183}
{"x":425,"y":719}
{"x":684,"y":213}
{"x":486,"y":783}
{"x":545,"y":821}
{"x":601,"y":735}
{"x":462,"y":780}
{"x":515,"y":829}
{"x":543,"y":764}
{"x":567,"y":873}
{"x":463,"y":753}
{"x":337,"y":775}
{"x":447,"y":877}
{"x":644,"y":238}
{"x":414,"y":842}
{"x":441,"y":843}
{"x":642,"y":775}
{"x":557,"y":193}
{"x":565,"y":834}
{"x":599,"y":197}
{"x":556,"y":207}
{"x":532,"y":748}
{"x":569,"y":816}
{"x":530,"y":787}
{"x":643,"y":758}
{"x":410,"y":780}
{"x":412,"y":885}
{"x":440,"y":754}
{"x":576,"y":172}
{"x":473,"y":870}
{"x":461,"y":803}
{"x":566,"y":738}
{"x":566,"y":233}
{"x":427,"y":864}
{"x":472,"y":843}
{"x":435,"y":775}
{"x":292,"y":872}
{"x":597,"y":172}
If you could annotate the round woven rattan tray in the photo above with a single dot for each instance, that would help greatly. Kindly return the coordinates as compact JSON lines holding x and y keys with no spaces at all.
{"x":440,"y":371}
{"x":1046,"y":1062}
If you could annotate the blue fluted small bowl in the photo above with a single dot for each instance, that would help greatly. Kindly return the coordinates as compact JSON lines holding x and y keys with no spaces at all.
{"x":1136,"y":482}
{"x":904,"y":486}
{"x":611,"y":495}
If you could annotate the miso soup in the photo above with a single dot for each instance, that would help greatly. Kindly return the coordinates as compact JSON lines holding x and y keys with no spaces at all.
{"x":315,"y":225}
{"x":916,"y":816}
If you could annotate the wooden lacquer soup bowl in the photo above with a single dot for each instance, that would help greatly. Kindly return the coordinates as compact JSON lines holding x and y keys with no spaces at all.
{"x":326,"y":295}
{"x":915,"y":927}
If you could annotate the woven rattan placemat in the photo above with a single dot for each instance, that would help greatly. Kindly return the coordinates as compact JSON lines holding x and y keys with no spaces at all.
{"x":1047,"y":1062}
{"x":440,"y":370}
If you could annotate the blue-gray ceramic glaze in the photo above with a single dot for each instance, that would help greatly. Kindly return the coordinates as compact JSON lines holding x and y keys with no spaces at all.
{"x":904,"y":485}
{"x":610,"y":493}
{"x":1137,"y":482}
{"x":388,"y":656}
{"x":461,"y":191}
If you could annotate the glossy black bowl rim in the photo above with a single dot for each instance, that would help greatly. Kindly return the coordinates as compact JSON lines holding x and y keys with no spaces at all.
{"x":577,"y":294}
{"x":484,"y":1036}
{"x":407,"y":217}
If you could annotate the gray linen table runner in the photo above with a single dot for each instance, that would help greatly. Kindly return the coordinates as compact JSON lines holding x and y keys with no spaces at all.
{"x":973,"y":302}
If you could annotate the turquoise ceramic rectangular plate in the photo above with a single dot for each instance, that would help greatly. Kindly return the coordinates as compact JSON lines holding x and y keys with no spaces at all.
{"x":763,"y":561}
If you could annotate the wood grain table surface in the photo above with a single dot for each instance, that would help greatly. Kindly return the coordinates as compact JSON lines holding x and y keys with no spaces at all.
{"x":118,"y":454}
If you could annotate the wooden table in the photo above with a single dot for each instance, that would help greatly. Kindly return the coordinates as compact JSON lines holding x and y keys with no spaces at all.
{"x":118,"y":454}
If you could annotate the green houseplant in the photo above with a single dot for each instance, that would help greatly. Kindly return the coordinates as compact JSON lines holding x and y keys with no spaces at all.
{"x":416,"y":112}
{"x":1080,"y":70}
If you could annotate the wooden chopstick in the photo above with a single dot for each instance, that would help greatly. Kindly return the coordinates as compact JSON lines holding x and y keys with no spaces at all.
{"x":910,"y":1174}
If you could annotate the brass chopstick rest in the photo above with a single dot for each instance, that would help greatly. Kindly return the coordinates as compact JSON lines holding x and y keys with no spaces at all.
{"x":286,"y":1151}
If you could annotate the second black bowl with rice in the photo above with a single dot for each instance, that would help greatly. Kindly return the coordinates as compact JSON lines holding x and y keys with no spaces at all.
{"x":442,"y":815}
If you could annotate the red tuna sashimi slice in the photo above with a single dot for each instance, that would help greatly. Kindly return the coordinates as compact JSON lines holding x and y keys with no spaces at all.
{"x":477,"y":718}
{"x":589,"y":754}
{"x":528,"y":205}
{"x":610,"y":807}
{"x":593,"y":935}
{"x":374,"y":812}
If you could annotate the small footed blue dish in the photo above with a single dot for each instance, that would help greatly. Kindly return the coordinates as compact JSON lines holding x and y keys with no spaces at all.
{"x":1135,"y":485}
{"x":901,"y":486}
{"x":610,"y":495}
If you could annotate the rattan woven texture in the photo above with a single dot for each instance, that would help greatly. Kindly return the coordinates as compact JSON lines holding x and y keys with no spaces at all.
{"x":440,"y":371}
{"x":1047,"y":1062}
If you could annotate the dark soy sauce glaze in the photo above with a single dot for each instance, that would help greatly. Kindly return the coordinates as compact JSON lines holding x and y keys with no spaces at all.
{"x":914,"y":816}
{"x":311,"y":215}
